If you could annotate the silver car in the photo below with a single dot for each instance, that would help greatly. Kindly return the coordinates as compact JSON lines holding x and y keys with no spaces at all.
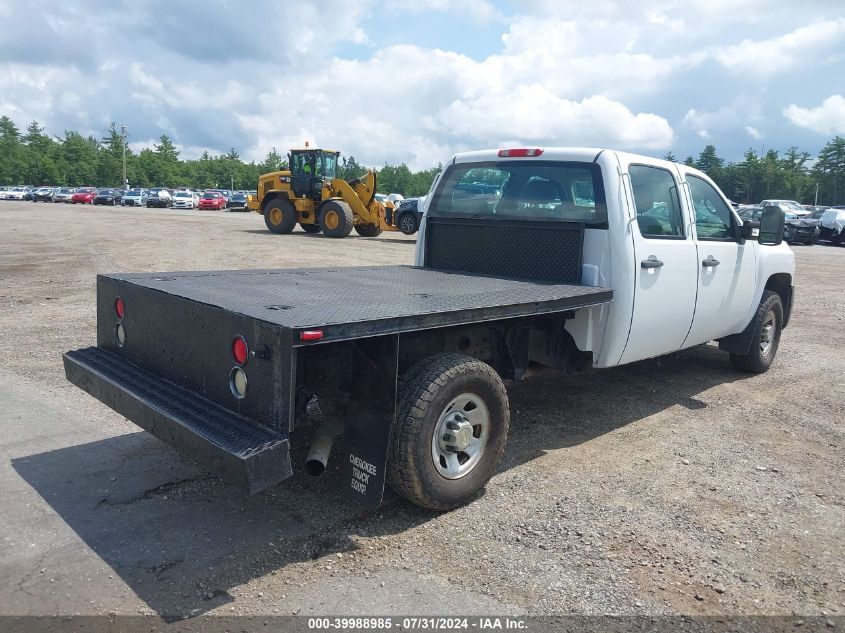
{"x":63,"y":194}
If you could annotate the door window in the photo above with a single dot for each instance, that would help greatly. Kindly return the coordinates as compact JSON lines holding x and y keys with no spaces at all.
{"x":656,"y":198}
{"x":713,"y":218}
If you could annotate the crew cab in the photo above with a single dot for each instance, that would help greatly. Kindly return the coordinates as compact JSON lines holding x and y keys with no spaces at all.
{"x":564,"y":257}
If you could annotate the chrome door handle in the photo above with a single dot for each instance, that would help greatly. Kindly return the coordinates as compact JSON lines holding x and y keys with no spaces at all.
{"x":651,"y":262}
{"x":710,"y":262}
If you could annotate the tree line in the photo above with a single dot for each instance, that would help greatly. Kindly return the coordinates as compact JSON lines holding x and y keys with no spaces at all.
{"x":33,"y":157}
{"x":36,"y":158}
{"x":772,"y":175}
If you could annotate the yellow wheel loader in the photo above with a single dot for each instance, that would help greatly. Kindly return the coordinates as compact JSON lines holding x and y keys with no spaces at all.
{"x":310,"y":194}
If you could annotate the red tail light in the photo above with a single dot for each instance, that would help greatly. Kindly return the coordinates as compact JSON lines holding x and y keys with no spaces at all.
{"x":519,"y":152}
{"x":311,"y":335}
{"x":240,"y":351}
{"x":119,"y":307}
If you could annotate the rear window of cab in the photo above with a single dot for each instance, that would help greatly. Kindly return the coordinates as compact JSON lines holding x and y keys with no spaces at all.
{"x":526,"y":189}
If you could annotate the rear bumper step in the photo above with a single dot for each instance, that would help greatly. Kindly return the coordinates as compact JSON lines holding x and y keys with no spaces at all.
{"x":242,"y":452}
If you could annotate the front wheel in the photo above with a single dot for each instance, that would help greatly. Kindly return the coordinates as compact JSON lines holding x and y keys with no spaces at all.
{"x":765,"y":338}
{"x":408,"y":223}
{"x":336,"y":219}
{"x":450,"y":432}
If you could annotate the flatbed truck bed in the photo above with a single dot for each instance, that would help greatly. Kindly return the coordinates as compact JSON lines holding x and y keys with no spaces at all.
{"x":165,"y":361}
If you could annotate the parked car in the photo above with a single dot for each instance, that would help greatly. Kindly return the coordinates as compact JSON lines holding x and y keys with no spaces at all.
{"x":44,"y":194}
{"x":832,"y":225}
{"x":84,"y":195}
{"x":790,"y":206}
{"x":237,"y":202}
{"x":212,"y":200}
{"x":63,"y":194}
{"x":134,"y":198}
{"x":185,"y":200}
{"x":13,"y":193}
{"x":110,"y":197}
{"x":29,"y":194}
{"x":159,"y":197}
{"x":803,"y":230}
{"x":409,"y":216}
{"x":752,"y":213}
{"x":396,"y":199}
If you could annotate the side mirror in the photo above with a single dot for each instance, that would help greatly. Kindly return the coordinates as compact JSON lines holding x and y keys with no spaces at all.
{"x":772,"y":220}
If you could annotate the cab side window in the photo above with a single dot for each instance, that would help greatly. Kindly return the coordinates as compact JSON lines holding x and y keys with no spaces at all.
{"x":656,"y":198}
{"x":713,"y":218}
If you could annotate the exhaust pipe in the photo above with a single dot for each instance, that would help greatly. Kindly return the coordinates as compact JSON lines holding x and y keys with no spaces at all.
{"x":321,"y":445}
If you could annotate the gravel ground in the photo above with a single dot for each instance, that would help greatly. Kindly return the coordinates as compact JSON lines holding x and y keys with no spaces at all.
{"x":669,"y":486}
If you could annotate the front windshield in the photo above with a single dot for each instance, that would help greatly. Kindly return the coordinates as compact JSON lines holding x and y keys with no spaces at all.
{"x":133,"y":192}
{"x":569,"y":192}
{"x":183,"y":194}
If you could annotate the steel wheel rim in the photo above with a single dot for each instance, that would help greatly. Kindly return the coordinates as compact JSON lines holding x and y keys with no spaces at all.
{"x":407,"y":224}
{"x":767,"y":334}
{"x":332,"y":219}
{"x":276,"y":216}
{"x":460,"y":436}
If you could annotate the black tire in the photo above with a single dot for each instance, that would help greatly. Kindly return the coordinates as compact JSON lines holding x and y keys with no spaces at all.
{"x":760,"y":356}
{"x":310,"y":228}
{"x":407,"y":223}
{"x":336,"y":219}
{"x":280,"y":216}
{"x":368,"y":230}
{"x":424,"y":394}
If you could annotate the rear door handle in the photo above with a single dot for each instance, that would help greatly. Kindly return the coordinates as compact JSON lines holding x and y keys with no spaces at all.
{"x":651,"y":262}
{"x":710,"y":262}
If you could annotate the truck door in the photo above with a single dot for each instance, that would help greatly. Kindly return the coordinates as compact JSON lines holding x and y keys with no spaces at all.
{"x":727,"y":269}
{"x":665,"y":267}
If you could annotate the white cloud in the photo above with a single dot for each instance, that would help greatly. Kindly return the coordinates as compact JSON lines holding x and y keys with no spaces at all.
{"x":828,"y":118}
{"x":593,"y":73}
{"x":744,"y":113}
{"x":797,"y":48}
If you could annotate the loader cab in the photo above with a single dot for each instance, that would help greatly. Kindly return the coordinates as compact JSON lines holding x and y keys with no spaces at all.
{"x":309,"y":169}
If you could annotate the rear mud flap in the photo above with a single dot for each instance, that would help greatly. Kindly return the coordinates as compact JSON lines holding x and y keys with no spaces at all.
{"x":372,"y":410}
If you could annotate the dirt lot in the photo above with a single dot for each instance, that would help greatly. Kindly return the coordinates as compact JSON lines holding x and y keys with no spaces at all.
{"x":669,"y":486}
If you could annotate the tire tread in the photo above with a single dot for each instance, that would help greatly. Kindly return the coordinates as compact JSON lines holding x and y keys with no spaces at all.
{"x":417,"y":388}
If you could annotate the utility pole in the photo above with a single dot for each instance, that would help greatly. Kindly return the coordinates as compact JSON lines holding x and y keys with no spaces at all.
{"x":123,"y":132}
{"x":816,"y":201}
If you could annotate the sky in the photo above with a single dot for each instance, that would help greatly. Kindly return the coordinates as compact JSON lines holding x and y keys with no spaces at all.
{"x":415,"y":81}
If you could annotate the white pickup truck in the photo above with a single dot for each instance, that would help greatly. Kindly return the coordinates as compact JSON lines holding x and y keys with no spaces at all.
{"x":563,"y":257}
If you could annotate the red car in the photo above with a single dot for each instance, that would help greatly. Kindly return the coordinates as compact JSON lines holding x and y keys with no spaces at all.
{"x":212,"y":200}
{"x":84,"y":195}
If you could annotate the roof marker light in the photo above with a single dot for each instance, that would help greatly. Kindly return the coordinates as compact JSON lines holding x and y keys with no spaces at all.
{"x":519,"y":152}
{"x":311,"y":335}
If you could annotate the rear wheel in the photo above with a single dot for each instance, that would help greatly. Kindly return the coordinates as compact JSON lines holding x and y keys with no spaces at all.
{"x":368,"y":230}
{"x":766,"y":336}
{"x":336,"y":219}
{"x":280,"y":216}
{"x":450,"y":432}
{"x":310,"y":228}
